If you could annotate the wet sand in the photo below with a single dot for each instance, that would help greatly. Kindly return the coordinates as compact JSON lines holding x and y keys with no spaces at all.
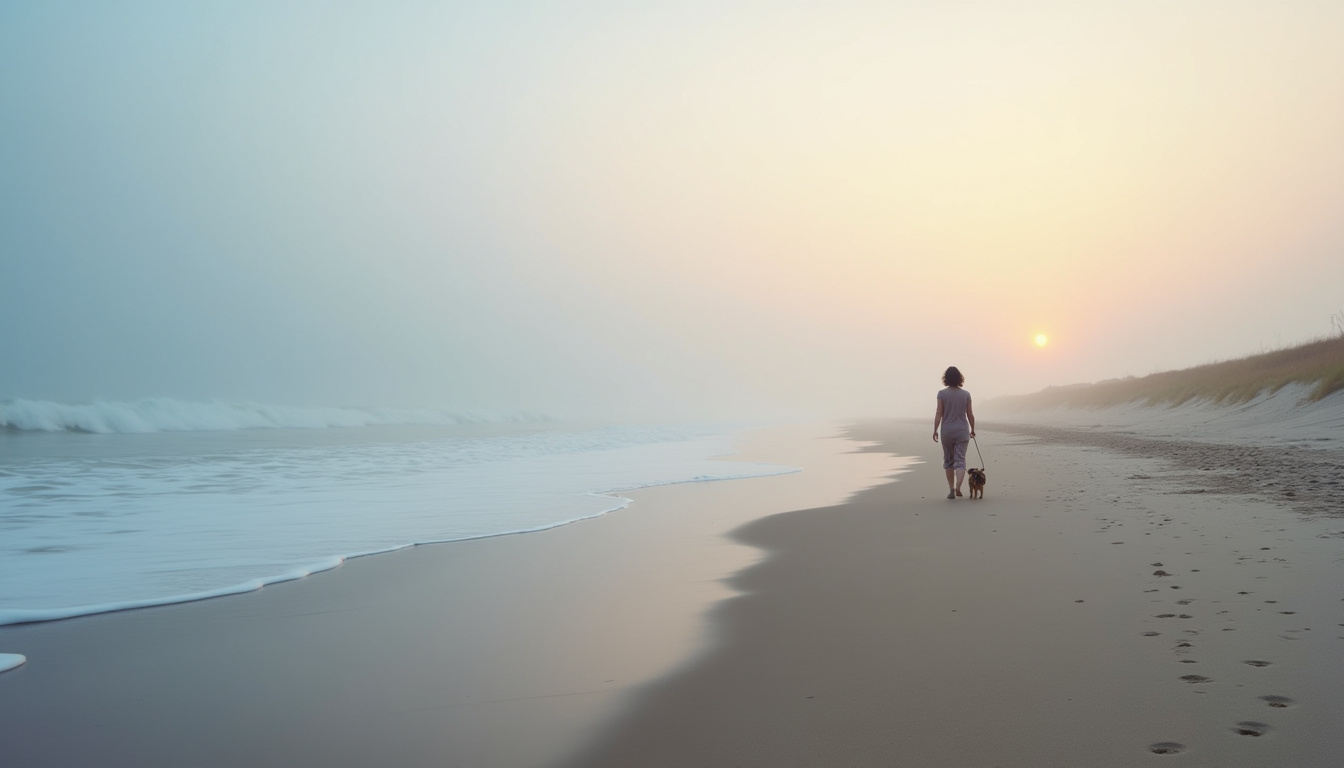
{"x":1092,"y":610}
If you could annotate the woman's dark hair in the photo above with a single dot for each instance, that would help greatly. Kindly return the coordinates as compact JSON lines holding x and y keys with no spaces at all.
{"x":953,"y":378}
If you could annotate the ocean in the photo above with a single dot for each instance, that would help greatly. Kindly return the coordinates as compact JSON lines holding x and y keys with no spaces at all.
{"x":108,"y":506}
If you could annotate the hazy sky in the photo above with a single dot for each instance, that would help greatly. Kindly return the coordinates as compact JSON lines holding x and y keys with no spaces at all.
{"x":659,"y":208}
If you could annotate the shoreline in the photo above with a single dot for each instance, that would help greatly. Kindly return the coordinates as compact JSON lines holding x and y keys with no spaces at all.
{"x":1092,"y":610}
{"x":284,"y":564}
{"x":501,"y":651}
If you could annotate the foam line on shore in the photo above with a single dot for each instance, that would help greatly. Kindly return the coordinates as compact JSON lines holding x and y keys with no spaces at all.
{"x":34,"y":615}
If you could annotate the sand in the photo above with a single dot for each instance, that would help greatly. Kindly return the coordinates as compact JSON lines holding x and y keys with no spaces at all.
{"x":1108,"y":603}
{"x":1088,"y":612}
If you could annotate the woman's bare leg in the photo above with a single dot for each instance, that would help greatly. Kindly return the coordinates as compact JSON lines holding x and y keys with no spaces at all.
{"x":961,"y":475}
{"x":950,"y":486}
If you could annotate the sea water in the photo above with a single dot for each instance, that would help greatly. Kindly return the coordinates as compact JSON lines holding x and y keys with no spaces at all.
{"x":110,"y":506}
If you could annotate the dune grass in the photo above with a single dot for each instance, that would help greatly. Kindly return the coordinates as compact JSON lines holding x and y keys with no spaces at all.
{"x":1317,"y":364}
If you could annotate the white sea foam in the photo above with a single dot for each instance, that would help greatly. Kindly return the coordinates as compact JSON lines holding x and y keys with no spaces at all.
{"x":161,"y":414}
{"x":103,"y":528}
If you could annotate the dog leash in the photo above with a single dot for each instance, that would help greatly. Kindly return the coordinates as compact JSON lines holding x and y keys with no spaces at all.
{"x":977,"y":453}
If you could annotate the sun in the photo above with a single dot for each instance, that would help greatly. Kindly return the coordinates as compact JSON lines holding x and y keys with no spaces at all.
{"x":1042,"y":339}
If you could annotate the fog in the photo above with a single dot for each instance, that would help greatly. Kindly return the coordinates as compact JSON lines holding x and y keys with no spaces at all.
{"x":633,"y":210}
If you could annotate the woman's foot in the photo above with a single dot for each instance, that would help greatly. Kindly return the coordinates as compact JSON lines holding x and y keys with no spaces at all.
{"x":958,"y":491}
{"x":952,"y":495}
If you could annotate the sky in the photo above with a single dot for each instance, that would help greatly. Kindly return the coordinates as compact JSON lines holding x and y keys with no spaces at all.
{"x":658,"y":210}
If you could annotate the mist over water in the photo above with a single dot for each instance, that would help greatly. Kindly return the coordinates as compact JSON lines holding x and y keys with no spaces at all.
{"x":166,"y":415}
{"x":652,"y":212}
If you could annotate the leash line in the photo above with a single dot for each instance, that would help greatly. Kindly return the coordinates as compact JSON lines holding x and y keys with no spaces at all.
{"x":977,"y":453}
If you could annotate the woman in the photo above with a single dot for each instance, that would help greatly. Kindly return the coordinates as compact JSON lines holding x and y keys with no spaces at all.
{"x":958,"y":421}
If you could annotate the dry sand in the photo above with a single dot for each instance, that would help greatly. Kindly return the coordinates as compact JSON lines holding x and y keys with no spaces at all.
{"x":1107,"y":604}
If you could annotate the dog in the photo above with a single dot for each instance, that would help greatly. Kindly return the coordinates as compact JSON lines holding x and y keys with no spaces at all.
{"x":977,"y":480}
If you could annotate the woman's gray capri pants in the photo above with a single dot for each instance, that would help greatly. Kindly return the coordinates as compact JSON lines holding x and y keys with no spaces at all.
{"x":954,"y":450}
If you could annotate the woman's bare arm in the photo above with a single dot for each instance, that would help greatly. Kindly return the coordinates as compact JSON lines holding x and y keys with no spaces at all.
{"x":970,"y":416}
{"x":938,"y":419}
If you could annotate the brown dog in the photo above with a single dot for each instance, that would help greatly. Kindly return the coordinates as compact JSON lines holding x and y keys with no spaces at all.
{"x":977,"y":480}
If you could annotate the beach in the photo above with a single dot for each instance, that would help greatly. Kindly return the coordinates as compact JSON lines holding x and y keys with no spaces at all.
{"x":543,"y":385}
{"x":1104,"y":605}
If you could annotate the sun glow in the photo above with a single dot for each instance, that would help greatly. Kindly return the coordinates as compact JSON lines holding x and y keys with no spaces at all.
{"x":1042,"y":339}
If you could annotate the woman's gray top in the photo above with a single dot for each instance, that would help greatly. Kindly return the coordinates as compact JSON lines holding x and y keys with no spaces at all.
{"x":955,"y":401}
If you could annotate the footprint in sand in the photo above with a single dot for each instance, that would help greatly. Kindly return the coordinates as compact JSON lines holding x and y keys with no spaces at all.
{"x":1258,"y":663}
{"x":1195,"y":679}
{"x":1278,"y":702}
{"x":1151,"y":634}
{"x":1251,"y":728}
{"x":1166,"y":748}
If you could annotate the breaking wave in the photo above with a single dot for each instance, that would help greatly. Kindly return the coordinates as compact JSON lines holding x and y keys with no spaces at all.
{"x":161,"y":414}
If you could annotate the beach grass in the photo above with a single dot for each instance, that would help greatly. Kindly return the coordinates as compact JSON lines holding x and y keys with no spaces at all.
{"x":1316,"y":364}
